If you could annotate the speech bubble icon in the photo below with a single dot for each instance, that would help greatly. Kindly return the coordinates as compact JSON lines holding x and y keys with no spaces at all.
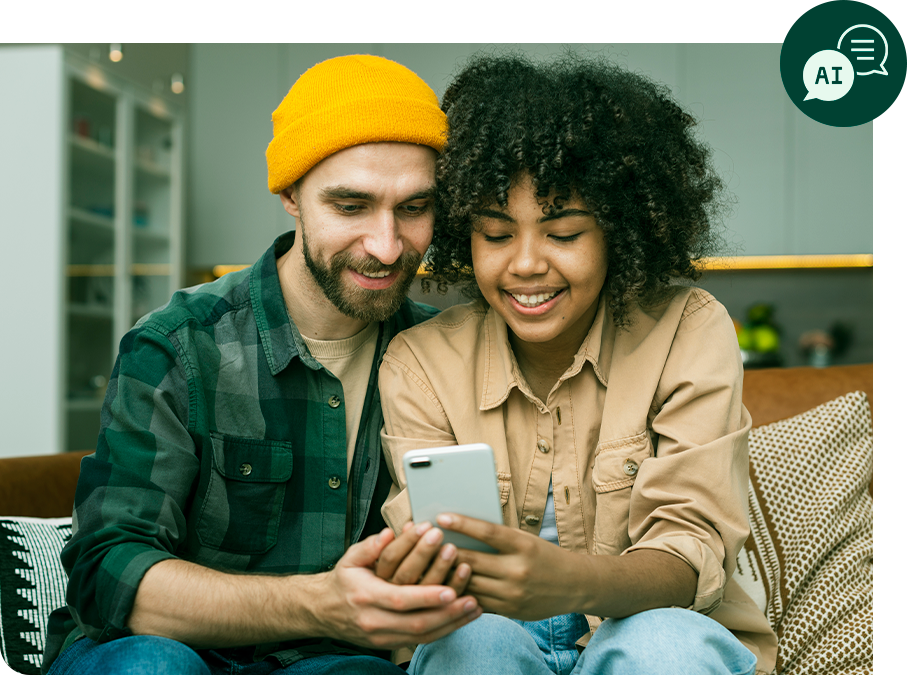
{"x":868,"y":48}
{"x":828,"y":75}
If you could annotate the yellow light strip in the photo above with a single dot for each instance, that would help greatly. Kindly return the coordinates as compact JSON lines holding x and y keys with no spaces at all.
{"x":746,"y":262}
{"x":786,"y":262}
{"x":221,"y":270}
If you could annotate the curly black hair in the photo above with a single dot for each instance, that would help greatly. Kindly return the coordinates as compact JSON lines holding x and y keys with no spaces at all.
{"x":585,"y":127}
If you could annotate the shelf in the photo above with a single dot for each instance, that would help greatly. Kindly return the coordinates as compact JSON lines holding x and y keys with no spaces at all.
{"x":150,"y":168}
{"x":118,"y":227}
{"x":136,"y":270}
{"x":84,"y":404}
{"x":87,"y":217}
{"x":86,"y":311}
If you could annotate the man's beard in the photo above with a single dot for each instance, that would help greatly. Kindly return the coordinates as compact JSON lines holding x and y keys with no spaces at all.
{"x":357,"y":302}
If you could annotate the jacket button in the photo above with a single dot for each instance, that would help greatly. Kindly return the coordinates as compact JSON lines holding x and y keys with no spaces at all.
{"x":334,"y":401}
{"x":630,"y":467}
{"x":245,"y":469}
{"x":543,"y":445}
{"x":531,"y":520}
{"x":334,"y":482}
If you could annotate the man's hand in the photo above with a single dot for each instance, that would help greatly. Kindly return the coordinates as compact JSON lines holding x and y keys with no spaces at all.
{"x":206,"y":608}
{"x":363,"y":608}
{"x":418,"y":557}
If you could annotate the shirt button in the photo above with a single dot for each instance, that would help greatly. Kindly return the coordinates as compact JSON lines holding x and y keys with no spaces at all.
{"x":330,"y":567}
{"x":531,"y":520}
{"x":334,"y":482}
{"x":245,"y":469}
{"x":630,"y":467}
{"x":334,"y":401}
{"x":543,"y":445}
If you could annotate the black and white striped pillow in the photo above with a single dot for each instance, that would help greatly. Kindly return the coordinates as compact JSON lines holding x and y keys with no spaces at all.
{"x":32,"y":584}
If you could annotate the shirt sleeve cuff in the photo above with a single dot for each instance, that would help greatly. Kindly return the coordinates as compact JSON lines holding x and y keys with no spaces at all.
{"x":134,"y":560}
{"x":711,"y":577}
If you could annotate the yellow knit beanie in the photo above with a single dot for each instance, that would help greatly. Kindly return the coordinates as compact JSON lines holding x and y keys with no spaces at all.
{"x":347,"y":101}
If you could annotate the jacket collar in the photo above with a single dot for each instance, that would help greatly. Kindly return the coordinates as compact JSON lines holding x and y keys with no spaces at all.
{"x":270,"y":310}
{"x":502,"y":372}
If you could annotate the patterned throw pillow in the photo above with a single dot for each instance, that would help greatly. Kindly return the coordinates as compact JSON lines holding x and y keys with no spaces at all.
{"x":32,"y":584}
{"x":808,"y":563}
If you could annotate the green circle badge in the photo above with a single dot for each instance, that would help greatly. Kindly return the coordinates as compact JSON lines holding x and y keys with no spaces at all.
{"x":843,"y":63}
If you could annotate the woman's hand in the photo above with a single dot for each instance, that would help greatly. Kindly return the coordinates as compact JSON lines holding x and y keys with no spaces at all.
{"x":529,"y":578}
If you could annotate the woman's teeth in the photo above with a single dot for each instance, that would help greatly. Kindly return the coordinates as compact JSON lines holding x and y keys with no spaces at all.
{"x":533,"y":300}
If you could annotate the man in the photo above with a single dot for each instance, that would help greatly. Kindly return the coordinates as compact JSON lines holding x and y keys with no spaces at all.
{"x":229,"y":520}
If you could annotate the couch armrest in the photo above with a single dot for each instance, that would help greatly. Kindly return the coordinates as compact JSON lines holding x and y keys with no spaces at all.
{"x":778,"y":393}
{"x":775,"y":394}
{"x":39,"y":486}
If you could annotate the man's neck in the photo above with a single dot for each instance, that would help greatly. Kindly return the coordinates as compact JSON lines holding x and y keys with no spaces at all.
{"x":314,"y":315}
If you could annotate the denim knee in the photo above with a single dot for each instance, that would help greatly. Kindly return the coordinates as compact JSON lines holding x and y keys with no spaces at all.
{"x":669,"y":640}
{"x":135,"y":655}
{"x":490,"y":644}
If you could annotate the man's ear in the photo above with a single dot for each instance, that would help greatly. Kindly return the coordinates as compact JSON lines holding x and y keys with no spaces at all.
{"x":288,"y":199}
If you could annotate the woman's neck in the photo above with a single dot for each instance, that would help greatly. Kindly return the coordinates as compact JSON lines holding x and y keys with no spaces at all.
{"x":543,"y":363}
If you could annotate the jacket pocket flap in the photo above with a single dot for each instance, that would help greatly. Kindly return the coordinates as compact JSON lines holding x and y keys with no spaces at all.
{"x":252,"y":460}
{"x":618,"y":462}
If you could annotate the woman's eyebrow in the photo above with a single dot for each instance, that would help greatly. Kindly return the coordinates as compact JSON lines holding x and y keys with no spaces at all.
{"x":563,"y":213}
{"x":490,"y":213}
{"x":500,"y":215}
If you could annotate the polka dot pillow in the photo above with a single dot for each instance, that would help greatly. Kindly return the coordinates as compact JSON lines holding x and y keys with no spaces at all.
{"x":808,"y":562}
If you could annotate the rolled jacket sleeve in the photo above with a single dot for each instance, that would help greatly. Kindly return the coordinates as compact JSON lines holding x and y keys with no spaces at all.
{"x":690,"y":498}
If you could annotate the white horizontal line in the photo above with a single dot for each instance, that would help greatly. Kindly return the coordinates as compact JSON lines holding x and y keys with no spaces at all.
{"x":865,"y":58}
{"x":863,"y":41}
{"x":862,"y":49}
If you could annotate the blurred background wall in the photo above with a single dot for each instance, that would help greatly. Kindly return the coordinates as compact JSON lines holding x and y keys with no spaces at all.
{"x":801,"y":188}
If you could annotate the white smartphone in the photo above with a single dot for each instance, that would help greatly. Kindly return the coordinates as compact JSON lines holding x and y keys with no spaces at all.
{"x":459,"y":479}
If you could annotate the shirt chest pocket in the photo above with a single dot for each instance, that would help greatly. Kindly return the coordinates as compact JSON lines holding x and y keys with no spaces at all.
{"x":245,"y":493}
{"x":614,"y":472}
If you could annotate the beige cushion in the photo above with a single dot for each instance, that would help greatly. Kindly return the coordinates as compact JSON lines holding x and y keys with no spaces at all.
{"x":808,"y":562}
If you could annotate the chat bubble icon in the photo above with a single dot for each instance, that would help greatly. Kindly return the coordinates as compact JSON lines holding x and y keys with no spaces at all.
{"x":828,"y":75}
{"x":867,"y":47}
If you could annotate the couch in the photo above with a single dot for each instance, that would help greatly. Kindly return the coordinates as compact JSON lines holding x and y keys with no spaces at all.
{"x":808,"y":562}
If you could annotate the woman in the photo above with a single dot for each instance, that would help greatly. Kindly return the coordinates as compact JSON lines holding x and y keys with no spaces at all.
{"x":571,"y":199}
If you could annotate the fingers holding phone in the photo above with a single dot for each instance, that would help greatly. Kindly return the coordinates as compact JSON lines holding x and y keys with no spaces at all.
{"x":419,"y":556}
{"x":459,"y":479}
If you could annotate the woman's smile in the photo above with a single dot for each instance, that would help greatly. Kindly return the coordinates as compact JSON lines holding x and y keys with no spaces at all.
{"x":542,"y":269}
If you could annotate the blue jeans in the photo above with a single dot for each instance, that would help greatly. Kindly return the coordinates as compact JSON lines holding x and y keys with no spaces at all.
{"x":149,"y":655}
{"x":659,"y":641}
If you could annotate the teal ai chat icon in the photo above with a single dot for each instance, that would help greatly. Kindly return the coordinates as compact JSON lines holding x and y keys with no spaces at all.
{"x":843,"y":63}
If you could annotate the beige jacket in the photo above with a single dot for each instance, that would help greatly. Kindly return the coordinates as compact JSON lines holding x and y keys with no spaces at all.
{"x":644,"y":437}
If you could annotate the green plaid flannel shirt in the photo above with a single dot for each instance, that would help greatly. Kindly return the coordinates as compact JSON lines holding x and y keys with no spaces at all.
{"x":224,"y":444}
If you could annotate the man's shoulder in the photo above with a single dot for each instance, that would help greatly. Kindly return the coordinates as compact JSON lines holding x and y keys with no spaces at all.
{"x":203,"y":306}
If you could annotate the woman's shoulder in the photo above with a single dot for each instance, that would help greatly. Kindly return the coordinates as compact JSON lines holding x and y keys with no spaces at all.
{"x":686,"y":305}
{"x":456,"y":330}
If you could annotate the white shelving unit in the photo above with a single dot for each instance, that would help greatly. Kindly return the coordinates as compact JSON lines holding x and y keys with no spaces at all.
{"x":92,"y":223}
